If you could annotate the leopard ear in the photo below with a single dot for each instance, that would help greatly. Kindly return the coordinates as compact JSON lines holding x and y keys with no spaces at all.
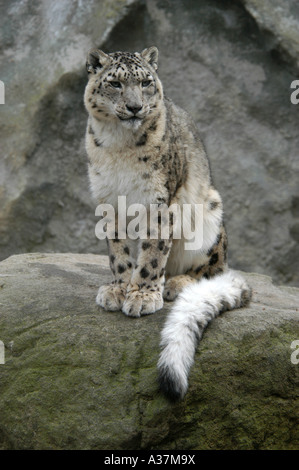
{"x":151,"y":56}
{"x":96,"y":59}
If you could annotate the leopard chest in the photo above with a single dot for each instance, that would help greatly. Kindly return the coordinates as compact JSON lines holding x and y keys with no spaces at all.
{"x":125,"y":173}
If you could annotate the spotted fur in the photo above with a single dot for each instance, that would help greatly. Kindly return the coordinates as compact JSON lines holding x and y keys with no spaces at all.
{"x":142,"y":146}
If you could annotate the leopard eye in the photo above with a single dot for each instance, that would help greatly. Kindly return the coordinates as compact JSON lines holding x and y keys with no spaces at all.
{"x":115,"y":84}
{"x":146,"y":83}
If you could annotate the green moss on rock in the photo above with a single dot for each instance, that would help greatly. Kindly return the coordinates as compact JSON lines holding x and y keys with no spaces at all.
{"x":76,"y":377}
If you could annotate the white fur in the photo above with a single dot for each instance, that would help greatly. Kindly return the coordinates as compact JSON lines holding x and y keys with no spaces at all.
{"x":115,"y":170}
{"x":181,"y":259}
{"x":195,"y":307}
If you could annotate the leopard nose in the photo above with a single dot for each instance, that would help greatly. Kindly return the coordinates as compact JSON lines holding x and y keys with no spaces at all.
{"x":134,"y":109}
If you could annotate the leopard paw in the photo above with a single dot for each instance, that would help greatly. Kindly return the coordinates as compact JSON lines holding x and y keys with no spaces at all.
{"x":175,"y":285}
{"x":139,"y":303}
{"x":111,"y":297}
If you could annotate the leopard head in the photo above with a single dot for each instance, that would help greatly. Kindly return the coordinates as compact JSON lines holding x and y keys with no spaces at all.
{"x":123,"y":86}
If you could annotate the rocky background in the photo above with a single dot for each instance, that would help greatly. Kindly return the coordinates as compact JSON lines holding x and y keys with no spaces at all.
{"x":229,"y":63}
{"x":76,"y":377}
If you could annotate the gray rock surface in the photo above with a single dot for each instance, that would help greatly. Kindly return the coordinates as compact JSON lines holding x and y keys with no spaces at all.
{"x":280,"y":21}
{"x":77,"y":377}
{"x":44,"y":193}
{"x":230,"y":64}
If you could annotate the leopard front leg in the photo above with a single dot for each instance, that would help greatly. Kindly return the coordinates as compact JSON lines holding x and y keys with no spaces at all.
{"x":111,"y":296}
{"x":145,"y":290}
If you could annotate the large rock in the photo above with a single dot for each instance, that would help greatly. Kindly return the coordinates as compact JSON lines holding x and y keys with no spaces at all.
{"x":230,"y":64}
{"x":44,"y":193}
{"x":280,"y":21}
{"x":77,"y":377}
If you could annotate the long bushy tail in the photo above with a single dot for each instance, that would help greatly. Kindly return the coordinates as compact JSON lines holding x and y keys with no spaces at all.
{"x":194,"y":308}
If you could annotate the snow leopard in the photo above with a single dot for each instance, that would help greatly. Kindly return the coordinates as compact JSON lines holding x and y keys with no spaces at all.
{"x":142,"y":146}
